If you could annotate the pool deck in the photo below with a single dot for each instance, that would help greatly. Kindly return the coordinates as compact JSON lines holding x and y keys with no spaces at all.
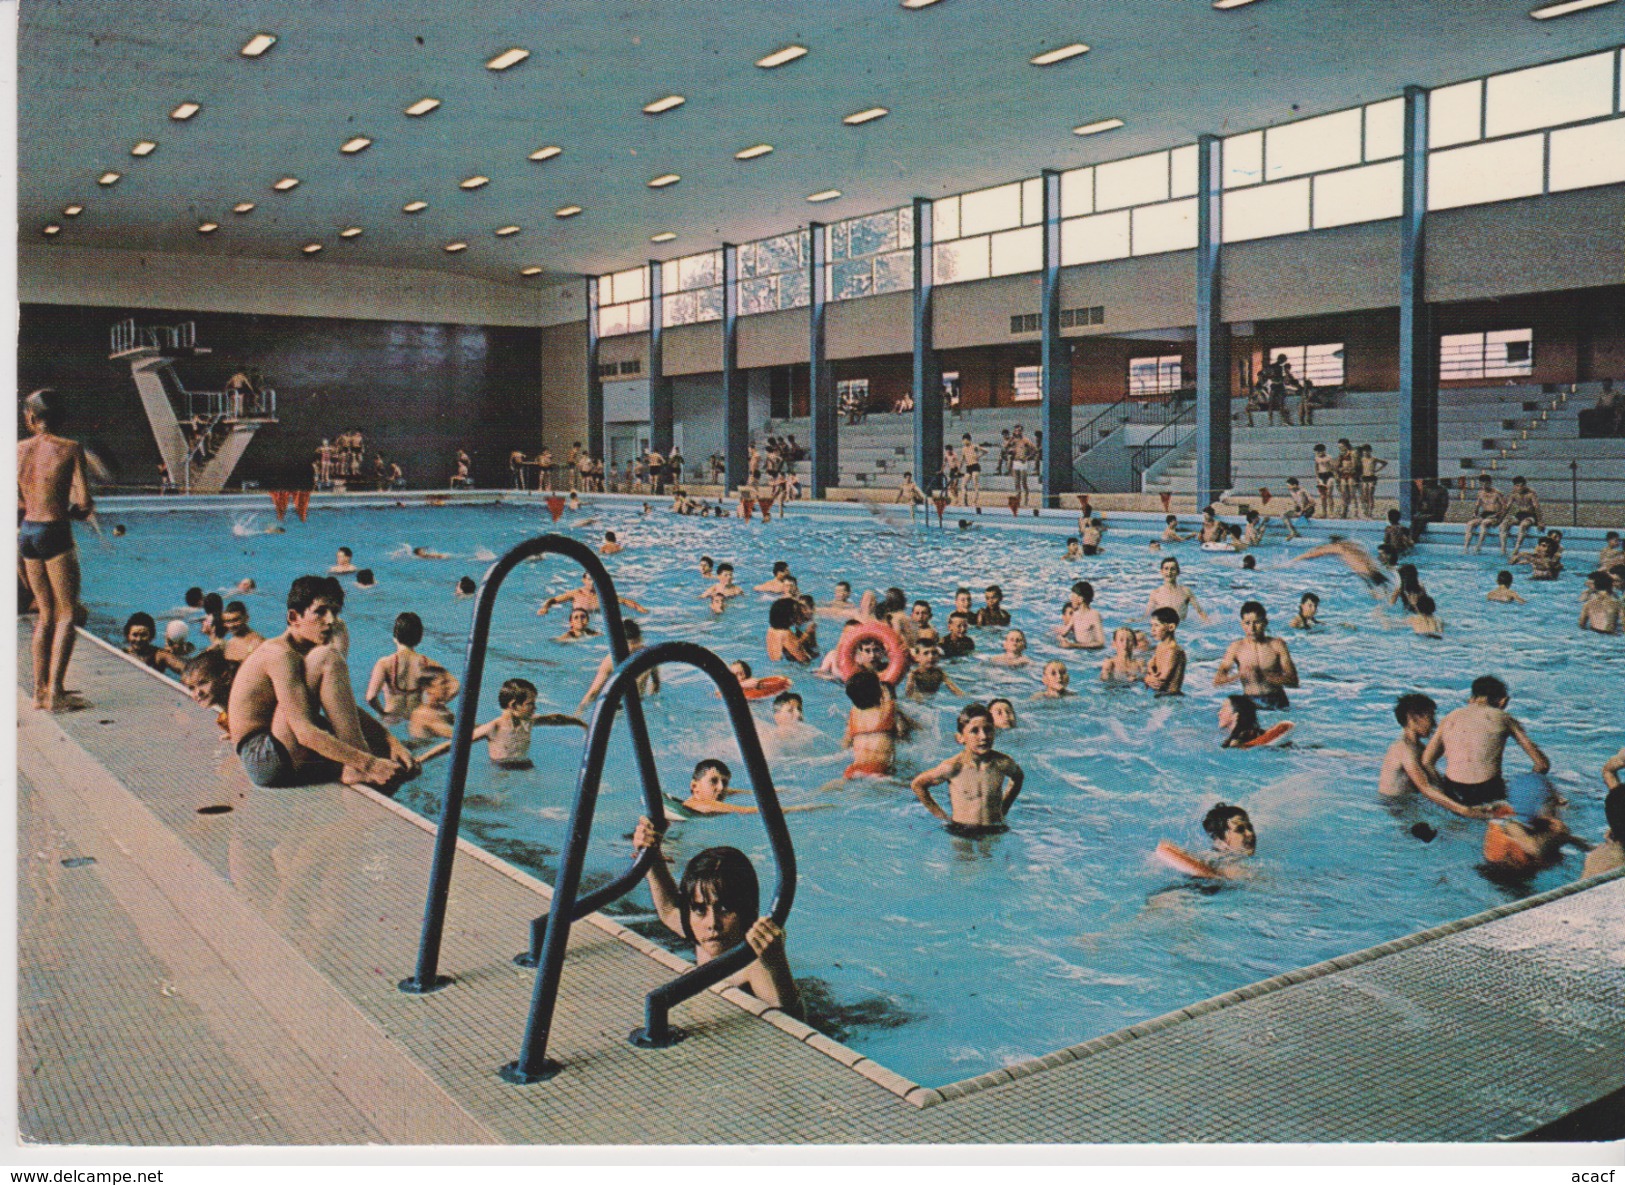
{"x":230,"y":979}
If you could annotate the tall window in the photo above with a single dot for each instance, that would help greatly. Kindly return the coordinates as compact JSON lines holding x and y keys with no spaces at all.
{"x":1503,"y":353}
{"x":1154,"y":376}
{"x":1321,"y":365}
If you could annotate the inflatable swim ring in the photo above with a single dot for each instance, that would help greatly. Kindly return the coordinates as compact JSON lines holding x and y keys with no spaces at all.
{"x":1182,"y":861}
{"x":768,"y":686}
{"x":1216,"y":546}
{"x":1272,"y":734}
{"x":845,"y":667}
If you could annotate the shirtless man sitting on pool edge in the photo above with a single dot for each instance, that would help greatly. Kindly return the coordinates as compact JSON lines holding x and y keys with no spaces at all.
{"x":293,"y":714}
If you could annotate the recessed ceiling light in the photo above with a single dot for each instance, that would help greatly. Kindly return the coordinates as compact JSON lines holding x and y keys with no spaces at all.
{"x":144,"y":148}
{"x":508,"y":57}
{"x":505,"y":231}
{"x":566,"y":211}
{"x":1548,"y":11}
{"x":311,"y":248}
{"x":108,"y":178}
{"x":285,"y":184}
{"x":456,"y":247}
{"x":242,"y":207}
{"x":1231,"y":3}
{"x":258,"y":44}
{"x":664,"y":180}
{"x":185,"y":111}
{"x":865,"y":116}
{"x":208,"y":228}
{"x":52,"y":229}
{"x":349,"y":232}
{"x":918,"y":3}
{"x":72,"y":211}
{"x":1050,"y":56}
{"x":665,"y":104}
{"x":354,"y":145}
{"x":754,"y":151}
{"x":414,"y":207}
{"x":1100,"y":125}
{"x":423,"y":106}
{"x":474,"y":182}
{"x":530,"y":271}
{"x":823,"y":195}
{"x":546,"y":153}
{"x":780,"y":56}
{"x":664,"y":236}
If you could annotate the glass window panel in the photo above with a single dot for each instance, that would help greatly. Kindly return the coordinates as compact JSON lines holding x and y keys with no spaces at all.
{"x":1385,"y":129}
{"x":1592,"y":155}
{"x":794,"y":290}
{"x":1359,"y":195}
{"x":628,"y":285}
{"x":1505,"y":353}
{"x":1170,"y":226}
{"x":839,"y":241}
{"x":708,"y":304}
{"x":779,"y":254}
{"x":987,"y":210}
{"x":1077,"y":192}
{"x":746,"y":256}
{"x":1278,"y":209}
{"x":1244,"y":159}
{"x":1582,"y":88}
{"x":851,"y":277}
{"x":895,"y":272}
{"x":1089,"y":240}
{"x":637,"y":317}
{"x":1454,"y":114}
{"x":1132,"y":182}
{"x":962,"y":259}
{"x":758,"y":296}
{"x":699,"y":271}
{"x":1017,"y":251}
{"x":1182,"y":171}
{"x":1312,"y":145}
{"x":612,"y":320}
{"x":1032,"y":201}
{"x":945,"y":219}
{"x":677,"y":309}
{"x":874,"y":234}
{"x":1154,"y":376}
{"x":668,"y":277}
{"x":1481,"y":173}
{"x":905,"y":226}
{"x":606,"y":289}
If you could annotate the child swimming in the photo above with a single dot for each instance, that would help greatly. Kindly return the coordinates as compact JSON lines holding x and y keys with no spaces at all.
{"x":982,"y":782}
{"x":871,"y":727}
{"x":508,"y":736}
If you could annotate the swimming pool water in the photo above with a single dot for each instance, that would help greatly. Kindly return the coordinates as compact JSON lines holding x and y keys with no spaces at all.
{"x":944,"y":958}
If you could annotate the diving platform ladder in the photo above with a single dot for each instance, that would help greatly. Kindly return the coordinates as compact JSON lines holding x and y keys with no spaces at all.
{"x":222,"y":424}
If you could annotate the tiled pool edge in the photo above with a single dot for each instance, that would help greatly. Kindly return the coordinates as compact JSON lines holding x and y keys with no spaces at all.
{"x":913,"y":1093}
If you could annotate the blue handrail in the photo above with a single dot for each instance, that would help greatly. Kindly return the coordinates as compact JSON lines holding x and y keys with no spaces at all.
{"x":425,"y":978}
{"x":533,"y":1064}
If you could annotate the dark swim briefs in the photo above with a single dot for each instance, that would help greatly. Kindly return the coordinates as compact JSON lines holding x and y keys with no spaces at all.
{"x":268,"y":763}
{"x":975,"y":830}
{"x":44,"y":541}
{"x":1475,"y":793}
{"x":1271,"y":701}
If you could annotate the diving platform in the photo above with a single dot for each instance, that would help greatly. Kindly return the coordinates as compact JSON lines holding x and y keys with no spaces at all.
{"x":201,"y":435}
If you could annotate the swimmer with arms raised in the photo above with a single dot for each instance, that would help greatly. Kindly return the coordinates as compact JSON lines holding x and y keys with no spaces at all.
{"x":982,"y":782}
{"x":1263,"y":664}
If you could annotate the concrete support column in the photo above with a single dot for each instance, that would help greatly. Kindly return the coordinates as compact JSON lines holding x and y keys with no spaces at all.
{"x":1418,"y":367}
{"x":928,"y":410}
{"x":595,"y":385}
{"x":1212,"y":334}
{"x":659,"y":384}
{"x":735,"y":396}
{"x":1055,"y":355}
{"x":826,"y":465}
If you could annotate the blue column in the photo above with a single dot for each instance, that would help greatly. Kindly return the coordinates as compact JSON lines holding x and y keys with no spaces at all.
{"x":826,"y":466}
{"x":735,"y":397}
{"x":595,"y":386}
{"x":927,"y":375}
{"x":659,"y":384}
{"x":1212,"y":334}
{"x":1055,"y":354}
{"x":1418,"y":373}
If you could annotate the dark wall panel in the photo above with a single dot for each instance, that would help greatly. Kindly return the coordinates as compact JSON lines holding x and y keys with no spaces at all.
{"x":417,"y":391}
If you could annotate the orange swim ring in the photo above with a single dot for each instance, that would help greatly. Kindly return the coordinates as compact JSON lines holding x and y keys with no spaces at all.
{"x":846,"y":666}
